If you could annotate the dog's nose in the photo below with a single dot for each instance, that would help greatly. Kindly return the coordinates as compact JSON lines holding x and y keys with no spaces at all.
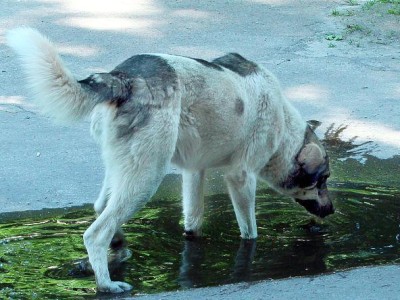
{"x":326,"y":210}
{"x":315,"y":208}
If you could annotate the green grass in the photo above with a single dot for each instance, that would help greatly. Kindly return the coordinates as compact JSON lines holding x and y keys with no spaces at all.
{"x":393,"y":10}
{"x":390,"y":1}
{"x":353,"y":28}
{"x":352,"y":2}
{"x":368,"y":5}
{"x":347,"y":13}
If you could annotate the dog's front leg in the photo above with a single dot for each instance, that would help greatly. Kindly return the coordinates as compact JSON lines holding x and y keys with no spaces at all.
{"x":193,"y":202}
{"x":242,"y":189}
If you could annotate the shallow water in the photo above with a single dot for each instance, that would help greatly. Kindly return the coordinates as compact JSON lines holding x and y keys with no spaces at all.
{"x":37,"y":254}
{"x":42,"y":254}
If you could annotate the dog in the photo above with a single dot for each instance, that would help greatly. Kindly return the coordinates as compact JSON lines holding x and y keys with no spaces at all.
{"x":157,"y":109}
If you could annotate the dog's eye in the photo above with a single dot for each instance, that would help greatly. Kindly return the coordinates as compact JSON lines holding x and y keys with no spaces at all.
{"x":322,"y":180}
{"x":325,"y":177}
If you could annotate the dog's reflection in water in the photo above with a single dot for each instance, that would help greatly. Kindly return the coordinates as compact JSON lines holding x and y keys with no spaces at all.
{"x":193,"y":262}
{"x":306,"y":256}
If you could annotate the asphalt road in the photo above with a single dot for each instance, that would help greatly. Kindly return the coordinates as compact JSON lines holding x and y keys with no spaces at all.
{"x":353,"y":81}
{"x":330,"y":72}
{"x":360,"y":284}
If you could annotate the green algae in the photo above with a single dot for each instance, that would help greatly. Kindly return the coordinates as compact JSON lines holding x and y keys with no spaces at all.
{"x":36,"y":254}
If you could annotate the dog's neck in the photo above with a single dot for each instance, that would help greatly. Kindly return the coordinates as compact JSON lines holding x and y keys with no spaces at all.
{"x":283,"y":160}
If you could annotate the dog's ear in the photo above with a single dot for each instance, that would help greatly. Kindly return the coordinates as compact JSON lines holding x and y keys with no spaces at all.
{"x":100,"y":83}
{"x":106,"y":85}
{"x":311,"y":157}
{"x":314,"y":124}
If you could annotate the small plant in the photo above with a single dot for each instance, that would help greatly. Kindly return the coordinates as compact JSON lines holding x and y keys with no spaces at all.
{"x":347,"y":13}
{"x":368,"y":5}
{"x":334,"y":37}
{"x":352,"y":2}
{"x":390,"y":1}
{"x":353,"y":28}
{"x":394,"y":11}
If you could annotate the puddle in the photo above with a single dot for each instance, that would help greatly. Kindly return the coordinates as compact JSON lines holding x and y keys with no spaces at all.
{"x":41,"y":253}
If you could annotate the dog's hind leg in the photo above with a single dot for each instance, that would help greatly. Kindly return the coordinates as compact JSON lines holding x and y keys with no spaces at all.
{"x":193,"y":202}
{"x":137,"y":163}
{"x":101,"y":201}
{"x":129,"y":193}
{"x":118,"y":241}
{"x":242,"y":189}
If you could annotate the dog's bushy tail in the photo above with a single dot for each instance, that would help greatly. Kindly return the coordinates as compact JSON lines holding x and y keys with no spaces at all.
{"x":54,"y":88}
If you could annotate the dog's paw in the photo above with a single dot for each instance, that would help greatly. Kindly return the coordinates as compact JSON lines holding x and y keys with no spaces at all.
{"x":191,"y":235}
{"x":115,"y":287}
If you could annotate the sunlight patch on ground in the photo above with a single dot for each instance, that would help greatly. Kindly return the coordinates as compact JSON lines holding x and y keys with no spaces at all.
{"x":80,"y":51}
{"x":117,"y":15}
{"x":364,"y":130}
{"x":13,"y":104}
{"x":309,"y":93}
{"x":271,"y":2}
{"x":12,"y":100}
{"x":143,"y":27}
{"x":192,"y":13}
{"x":376,"y":132}
{"x":108,"y":8}
{"x":105,"y":23}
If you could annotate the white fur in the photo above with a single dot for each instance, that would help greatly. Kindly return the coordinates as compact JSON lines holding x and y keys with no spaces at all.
{"x":193,"y":200}
{"x":53,"y":86}
{"x":198,"y":125}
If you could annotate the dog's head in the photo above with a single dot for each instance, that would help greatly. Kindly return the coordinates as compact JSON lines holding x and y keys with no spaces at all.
{"x":306,"y":182}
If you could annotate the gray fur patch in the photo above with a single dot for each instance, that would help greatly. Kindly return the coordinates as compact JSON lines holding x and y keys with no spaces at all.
{"x":132,"y":117}
{"x":115,"y":88}
{"x":207,"y":64}
{"x":237,"y":63}
{"x":239,"y":106}
{"x":153,"y":69}
{"x":135,"y":87}
{"x":99,"y":83}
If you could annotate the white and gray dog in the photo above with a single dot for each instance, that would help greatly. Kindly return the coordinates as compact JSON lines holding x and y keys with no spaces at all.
{"x":157,"y":109}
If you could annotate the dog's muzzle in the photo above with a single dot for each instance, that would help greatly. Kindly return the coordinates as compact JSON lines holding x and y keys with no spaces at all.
{"x":315,"y":208}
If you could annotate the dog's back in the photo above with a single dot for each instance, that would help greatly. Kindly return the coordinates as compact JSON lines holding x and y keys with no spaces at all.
{"x":222,"y":103}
